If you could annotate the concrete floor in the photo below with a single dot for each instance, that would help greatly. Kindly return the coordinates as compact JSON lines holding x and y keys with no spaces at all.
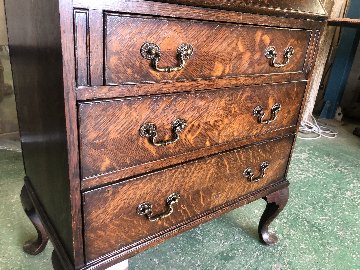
{"x":319,"y":228}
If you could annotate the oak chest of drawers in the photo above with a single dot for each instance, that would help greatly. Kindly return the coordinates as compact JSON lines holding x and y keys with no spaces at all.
{"x":140,"y":120}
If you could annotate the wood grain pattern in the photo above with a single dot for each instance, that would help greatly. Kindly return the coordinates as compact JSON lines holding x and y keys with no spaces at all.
{"x":73,"y":174}
{"x":191,"y":12}
{"x":344,"y":22}
{"x":96,"y":47}
{"x":106,"y":92}
{"x":203,"y":185}
{"x":123,"y":175}
{"x":109,"y":130}
{"x":119,"y":255}
{"x":63,"y":51}
{"x":305,"y":8}
{"x":220,"y":50}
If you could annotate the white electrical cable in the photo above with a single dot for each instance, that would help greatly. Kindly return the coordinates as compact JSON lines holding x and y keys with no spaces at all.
{"x":2,"y":147}
{"x":311,"y":130}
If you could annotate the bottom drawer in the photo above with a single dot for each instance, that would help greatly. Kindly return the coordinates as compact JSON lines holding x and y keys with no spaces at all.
{"x":112,"y":219}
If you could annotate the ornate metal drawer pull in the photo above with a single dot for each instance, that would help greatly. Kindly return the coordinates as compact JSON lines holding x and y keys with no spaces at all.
{"x":145,"y":208}
{"x":259,"y":113}
{"x":248,"y":173}
{"x":151,"y":51}
{"x":149,"y":130}
{"x":271,"y":54}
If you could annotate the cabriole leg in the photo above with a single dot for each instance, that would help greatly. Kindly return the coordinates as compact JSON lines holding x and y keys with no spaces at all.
{"x":33,"y":247}
{"x":56,"y":261}
{"x":275,"y":204}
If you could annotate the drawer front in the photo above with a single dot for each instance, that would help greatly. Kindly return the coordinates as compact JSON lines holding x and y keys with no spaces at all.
{"x":111,"y":219}
{"x":219,"y":50}
{"x":110,"y":139}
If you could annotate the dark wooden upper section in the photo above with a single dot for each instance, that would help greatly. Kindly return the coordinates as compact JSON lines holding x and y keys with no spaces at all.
{"x":287,"y":8}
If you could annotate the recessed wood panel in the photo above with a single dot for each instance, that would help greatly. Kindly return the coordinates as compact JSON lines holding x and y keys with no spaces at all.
{"x":82,"y":47}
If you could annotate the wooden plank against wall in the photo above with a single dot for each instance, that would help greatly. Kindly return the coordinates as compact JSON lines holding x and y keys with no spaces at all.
{"x":3,"y":35}
{"x":341,"y":66}
{"x":344,"y":22}
{"x":334,"y":8}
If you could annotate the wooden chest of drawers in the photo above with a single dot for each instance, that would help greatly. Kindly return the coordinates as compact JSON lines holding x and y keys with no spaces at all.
{"x":142,"y":119}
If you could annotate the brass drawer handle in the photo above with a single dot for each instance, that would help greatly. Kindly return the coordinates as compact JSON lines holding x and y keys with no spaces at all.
{"x":151,"y":51}
{"x":149,"y":130}
{"x":260,"y":114}
{"x":145,"y":208}
{"x":271,"y":54}
{"x":248,"y":173}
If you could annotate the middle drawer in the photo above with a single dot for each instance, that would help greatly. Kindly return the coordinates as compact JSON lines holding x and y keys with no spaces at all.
{"x":121,"y":134}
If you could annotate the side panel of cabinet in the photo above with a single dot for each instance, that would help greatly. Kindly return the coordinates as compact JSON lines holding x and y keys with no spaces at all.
{"x":36,"y":58}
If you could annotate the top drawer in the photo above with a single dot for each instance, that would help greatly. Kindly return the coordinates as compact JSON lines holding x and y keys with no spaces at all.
{"x":131,"y":46}
{"x":218,"y":50}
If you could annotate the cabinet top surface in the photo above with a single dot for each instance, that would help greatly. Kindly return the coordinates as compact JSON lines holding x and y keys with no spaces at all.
{"x":291,"y":8}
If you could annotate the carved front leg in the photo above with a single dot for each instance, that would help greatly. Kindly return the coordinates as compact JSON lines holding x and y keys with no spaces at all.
{"x":33,"y":247}
{"x":275,"y":204}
